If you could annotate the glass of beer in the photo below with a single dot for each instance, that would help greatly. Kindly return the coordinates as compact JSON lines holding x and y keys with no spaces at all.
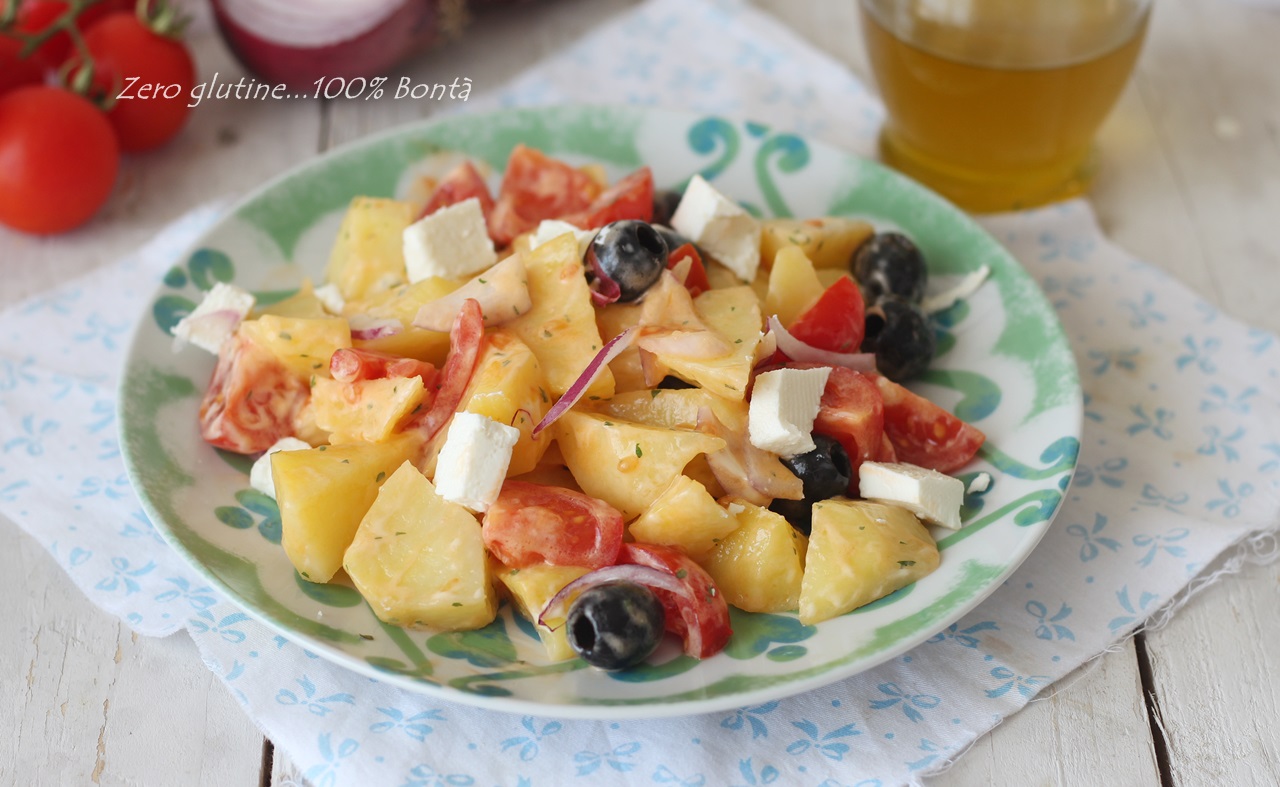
{"x":995,"y":103}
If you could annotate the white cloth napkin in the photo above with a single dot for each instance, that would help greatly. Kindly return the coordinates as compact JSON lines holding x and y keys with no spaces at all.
{"x":1180,"y":462}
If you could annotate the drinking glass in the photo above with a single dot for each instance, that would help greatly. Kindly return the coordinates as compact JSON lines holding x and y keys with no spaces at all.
{"x":995,"y":103}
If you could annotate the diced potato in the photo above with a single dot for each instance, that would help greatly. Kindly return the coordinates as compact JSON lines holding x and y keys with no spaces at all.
{"x":365,"y":410}
{"x":734,"y":314}
{"x":419,"y":560}
{"x":612,"y":320}
{"x":793,"y":285}
{"x":626,"y":464}
{"x":759,"y":567}
{"x":531,"y":588}
{"x":324,"y":492}
{"x":302,"y":303}
{"x":827,"y":242}
{"x":303,"y":345}
{"x":860,"y":551}
{"x":561,"y":328}
{"x":673,"y":408}
{"x":368,"y":256}
{"x":684,"y":516}
{"x":508,"y":387}
{"x":402,"y":303}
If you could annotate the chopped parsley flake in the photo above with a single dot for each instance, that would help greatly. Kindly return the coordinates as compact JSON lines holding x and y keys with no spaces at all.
{"x":681,"y":574}
{"x":639,"y":453}
{"x":381,"y":477}
{"x":905,"y":563}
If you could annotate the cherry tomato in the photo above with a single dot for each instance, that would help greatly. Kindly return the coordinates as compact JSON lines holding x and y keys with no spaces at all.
{"x":131,"y":60}
{"x":466,"y":338}
{"x":923,"y":433}
{"x":58,"y":159}
{"x":36,"y":15}
{"x":352,"y":364}
{"x":629,"y":198}
{"x":702,"y":623}
{"x":252,"y":400}
{"x":836,"y":321}
{"x":531,"y":524}
{"x":462,"y":183}
{"x":536,"y":187}
{"x":696,"y":282}
{"x":852,"y":412}
{"x":16,"y":71}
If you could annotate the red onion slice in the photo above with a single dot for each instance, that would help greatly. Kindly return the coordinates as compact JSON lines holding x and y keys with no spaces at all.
{"x":604,"y":290}
{"x":557,"y":609}
{"x":365,"y":328}
{"x":612,"y":349}
{"x":797,"y":350}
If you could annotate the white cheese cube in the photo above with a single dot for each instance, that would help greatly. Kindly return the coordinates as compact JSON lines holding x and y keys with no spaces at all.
{"x":930,"y":495}
{"x":550,"y":229}
{"x":473,"y":462}
{"x":720,"y":226}
{"x":330,"y":298}
{"x":216,"y":318}
{"x":783,"y":405}
{"x":260,"y":477}
{"x":452,"y":243}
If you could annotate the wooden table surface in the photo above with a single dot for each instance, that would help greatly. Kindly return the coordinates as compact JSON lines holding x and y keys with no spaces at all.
{"x":1190,"y":182}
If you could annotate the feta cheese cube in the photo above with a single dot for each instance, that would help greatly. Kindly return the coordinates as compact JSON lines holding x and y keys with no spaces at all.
{"x":330,"y":298}
{"x":452,"y":243}
{"x":473,"y":462}
{"x":260,"y":477}
{"x":930,"y":495}
{"x":784,"y":404}
{"x":549,"y":229}
{"x":720,"y":226}
{"x":216,"y":318}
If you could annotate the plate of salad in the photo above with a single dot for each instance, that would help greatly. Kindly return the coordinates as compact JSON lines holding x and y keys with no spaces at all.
{"x":600,"y":412}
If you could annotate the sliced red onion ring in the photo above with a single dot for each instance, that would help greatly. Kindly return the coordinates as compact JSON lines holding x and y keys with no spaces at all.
{"x":797,"y":350}
{"x":612,"y":349}
{"x":366,"y":328}
{"x":557,"y":609}
{"x":604,"y":290}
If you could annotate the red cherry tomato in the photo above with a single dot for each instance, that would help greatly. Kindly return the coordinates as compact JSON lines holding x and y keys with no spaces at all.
{"x":836,"y":321}
{"x":16,"y":71}
{"x":536,"y":187}
{"x":696,"y":282}
{"x":923,"y":433}
{"x":466,"y":338}
{"x":352,"y":364}
{"x":532,"y":524}
{"x":702,"y":623}
{"x":462,"y":183}
{"x":629,"y":198}
{"x":35,"y":16}
{"x":152,"y":75}
{"x":58,"y":159}
{"x":252,"y":400}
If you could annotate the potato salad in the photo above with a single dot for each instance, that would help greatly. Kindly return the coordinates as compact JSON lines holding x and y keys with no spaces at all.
{"x":620,"y":409}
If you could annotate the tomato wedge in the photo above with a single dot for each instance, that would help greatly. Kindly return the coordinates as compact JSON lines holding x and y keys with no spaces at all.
{"x":252,"y":400}
{"x":701,"y":621}
{"x":924,"y":434}
{"x":536,"y":187}
{"x":351,"y":364}
{"x":629,"y":198}
{"x":465,"y":340}
{"x":532,"y":524}
{"x":696,"y":282}
{"x":836,"y":321}
{"x":462,"y":183}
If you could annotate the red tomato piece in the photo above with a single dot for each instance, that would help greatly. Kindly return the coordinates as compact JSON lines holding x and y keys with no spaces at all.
{"x":252,"y":400}
{"x":702,"y":621}
{"x":351,"y":364}
{"x":536,"y":187}
{"x":462,"y":183}
{"x":696,"y":282}
{"x":852,"y":412}
{"x":36,"y":15}
{"x":629,"y":198}
{"x":923,"y":433}
{"x":16,"y":71}
{"x":465,"y":340}
{"x":836,"y":321}
{"x":531,"y":524}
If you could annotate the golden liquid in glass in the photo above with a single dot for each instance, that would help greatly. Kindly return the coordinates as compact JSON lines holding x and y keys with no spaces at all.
{"x":1000,"y":117}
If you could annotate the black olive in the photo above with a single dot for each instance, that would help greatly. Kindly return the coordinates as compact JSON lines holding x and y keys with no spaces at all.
{"x":665,"y":202}
{"x":901,"y":337}
{"x":615,"y":625}
{"x":889,"y":264}
{"x":825,"y":471}
{"x":632,"y":253}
